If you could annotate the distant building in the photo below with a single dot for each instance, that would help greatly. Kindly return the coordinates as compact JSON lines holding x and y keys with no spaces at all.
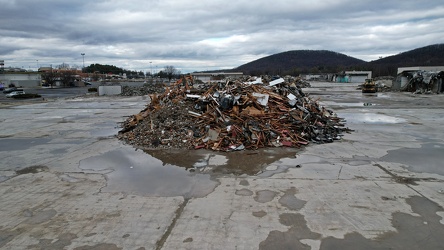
{"x":22,"y":79}
{"x":45,"y":69}
{"x":421,"y":68}
{"x":317,"y":77}
{"x":215,"y":76}
{"x":352,"y":76}
{"x":420,"y":78}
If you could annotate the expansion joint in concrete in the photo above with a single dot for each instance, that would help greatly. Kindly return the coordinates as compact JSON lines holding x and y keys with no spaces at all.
{"x":178,"y":213}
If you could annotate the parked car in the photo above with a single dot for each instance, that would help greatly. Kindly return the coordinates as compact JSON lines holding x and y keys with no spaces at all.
{"x":14,"y":93}
{"x":10,"y":90}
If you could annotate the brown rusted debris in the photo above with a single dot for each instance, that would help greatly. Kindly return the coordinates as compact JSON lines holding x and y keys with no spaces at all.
{"x":233,"y":115}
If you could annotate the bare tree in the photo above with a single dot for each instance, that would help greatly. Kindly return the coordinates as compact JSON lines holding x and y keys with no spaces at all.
{"x":49,"y":78}
{"x":170,"y":72}
{"x":67,"y":78}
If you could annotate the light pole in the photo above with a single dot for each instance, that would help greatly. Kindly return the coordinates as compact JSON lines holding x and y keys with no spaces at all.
{"x":83,"y":55}
{"x":151,"y":70}
{"x":37,"y":65}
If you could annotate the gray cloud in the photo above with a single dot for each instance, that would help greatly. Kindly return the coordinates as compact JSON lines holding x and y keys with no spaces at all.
{"x":208,"y":35}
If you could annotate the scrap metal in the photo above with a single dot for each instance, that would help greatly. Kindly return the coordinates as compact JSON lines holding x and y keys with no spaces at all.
{"x":232,"y":115}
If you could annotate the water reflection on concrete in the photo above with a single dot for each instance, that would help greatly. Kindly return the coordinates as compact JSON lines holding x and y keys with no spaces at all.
{"x":372,"y":118}
{"x":427,"y":159}
{"x":188,"y":173}
{"x":347,"y":104}
{"x":237,"y":163}
{"x":284,"y":164}
{"x":11,"y":144}
{"x":135,"y":172}
{"x":105,"y":129}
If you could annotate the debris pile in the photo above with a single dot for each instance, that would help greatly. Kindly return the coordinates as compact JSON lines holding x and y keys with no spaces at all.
{"x":233,"y":115}
{"x":384,"y":83}
{"x":142,"y":90}
{"x":421,"y":81}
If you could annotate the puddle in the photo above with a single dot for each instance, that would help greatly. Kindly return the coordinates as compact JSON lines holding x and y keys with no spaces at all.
{"x":427,"y":159}
{"x":244,"y":192}
{"x":295,"y":237}
{"x":211,"y":160}
{"x":290,"y":201}
{"x":237,"y":163}
{"x":105,"y":129}
{"x":12,"y":144}
{"x":348,"y":104}
{"x":259,"y":214}
{"x":104,"y":132}
{"x":384,"y":95}
{"x":412,"y":232}
{"x":59,"y":151}
{"x":264,"y":196}
{"x":284,"y":164}
{"x":372,"y":118}
{"x":9,"y":144}
{"x":139,"y":173}
{"x":185,"y":173}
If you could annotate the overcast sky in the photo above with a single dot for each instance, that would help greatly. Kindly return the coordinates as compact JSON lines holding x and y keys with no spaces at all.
{"x":206,"y":35}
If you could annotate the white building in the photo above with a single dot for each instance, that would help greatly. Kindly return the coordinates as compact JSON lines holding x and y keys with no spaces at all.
{"x":215,"y":76}
{"x":22,"y":79}
{"x":353,"y":76}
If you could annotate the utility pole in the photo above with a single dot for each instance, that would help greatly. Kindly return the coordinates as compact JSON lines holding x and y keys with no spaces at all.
{"x":83,"y":55}
{"x":151,"y":70}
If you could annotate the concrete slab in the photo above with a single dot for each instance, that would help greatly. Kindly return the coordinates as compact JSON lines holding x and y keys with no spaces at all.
{"x":67,"y":183}
{"x":43,"y":209}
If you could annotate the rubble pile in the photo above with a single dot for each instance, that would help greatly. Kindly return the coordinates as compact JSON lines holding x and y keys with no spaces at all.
{"x":384,"y":83}
{"x":233,"y":115}
{"x":142,"y":90}
{"x":298,"y":81}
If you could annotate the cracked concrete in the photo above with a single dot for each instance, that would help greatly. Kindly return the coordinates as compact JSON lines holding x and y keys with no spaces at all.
{"x":67,"y":183}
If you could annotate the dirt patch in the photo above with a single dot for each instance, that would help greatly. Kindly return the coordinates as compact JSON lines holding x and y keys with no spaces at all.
{"x":32,"y":170}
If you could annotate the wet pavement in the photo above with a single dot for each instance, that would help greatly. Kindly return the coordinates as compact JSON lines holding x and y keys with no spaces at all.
{"x":68,"y":183}
{"x":138,"y":173}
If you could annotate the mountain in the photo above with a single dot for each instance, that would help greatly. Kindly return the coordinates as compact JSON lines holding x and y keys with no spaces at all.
{"x":432,"y":55}
{"x":299,"y":61}
{"x":322,"y":61}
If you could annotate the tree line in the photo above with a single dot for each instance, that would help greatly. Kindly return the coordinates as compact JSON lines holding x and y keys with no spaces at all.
{"x":111,"y":69}
{"x":68,"y":78}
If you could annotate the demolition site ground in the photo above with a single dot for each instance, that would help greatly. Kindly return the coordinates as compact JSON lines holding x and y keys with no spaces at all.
{"x":68,"y":182}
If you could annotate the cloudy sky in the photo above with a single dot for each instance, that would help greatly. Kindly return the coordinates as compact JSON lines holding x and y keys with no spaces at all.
{"x":208,"y":34}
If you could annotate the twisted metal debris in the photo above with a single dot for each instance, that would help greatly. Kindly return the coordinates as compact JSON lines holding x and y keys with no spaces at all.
{"x":233,"y":115}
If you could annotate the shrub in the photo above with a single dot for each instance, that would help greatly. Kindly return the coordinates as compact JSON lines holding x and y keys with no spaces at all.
{"x":26,"y":96}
